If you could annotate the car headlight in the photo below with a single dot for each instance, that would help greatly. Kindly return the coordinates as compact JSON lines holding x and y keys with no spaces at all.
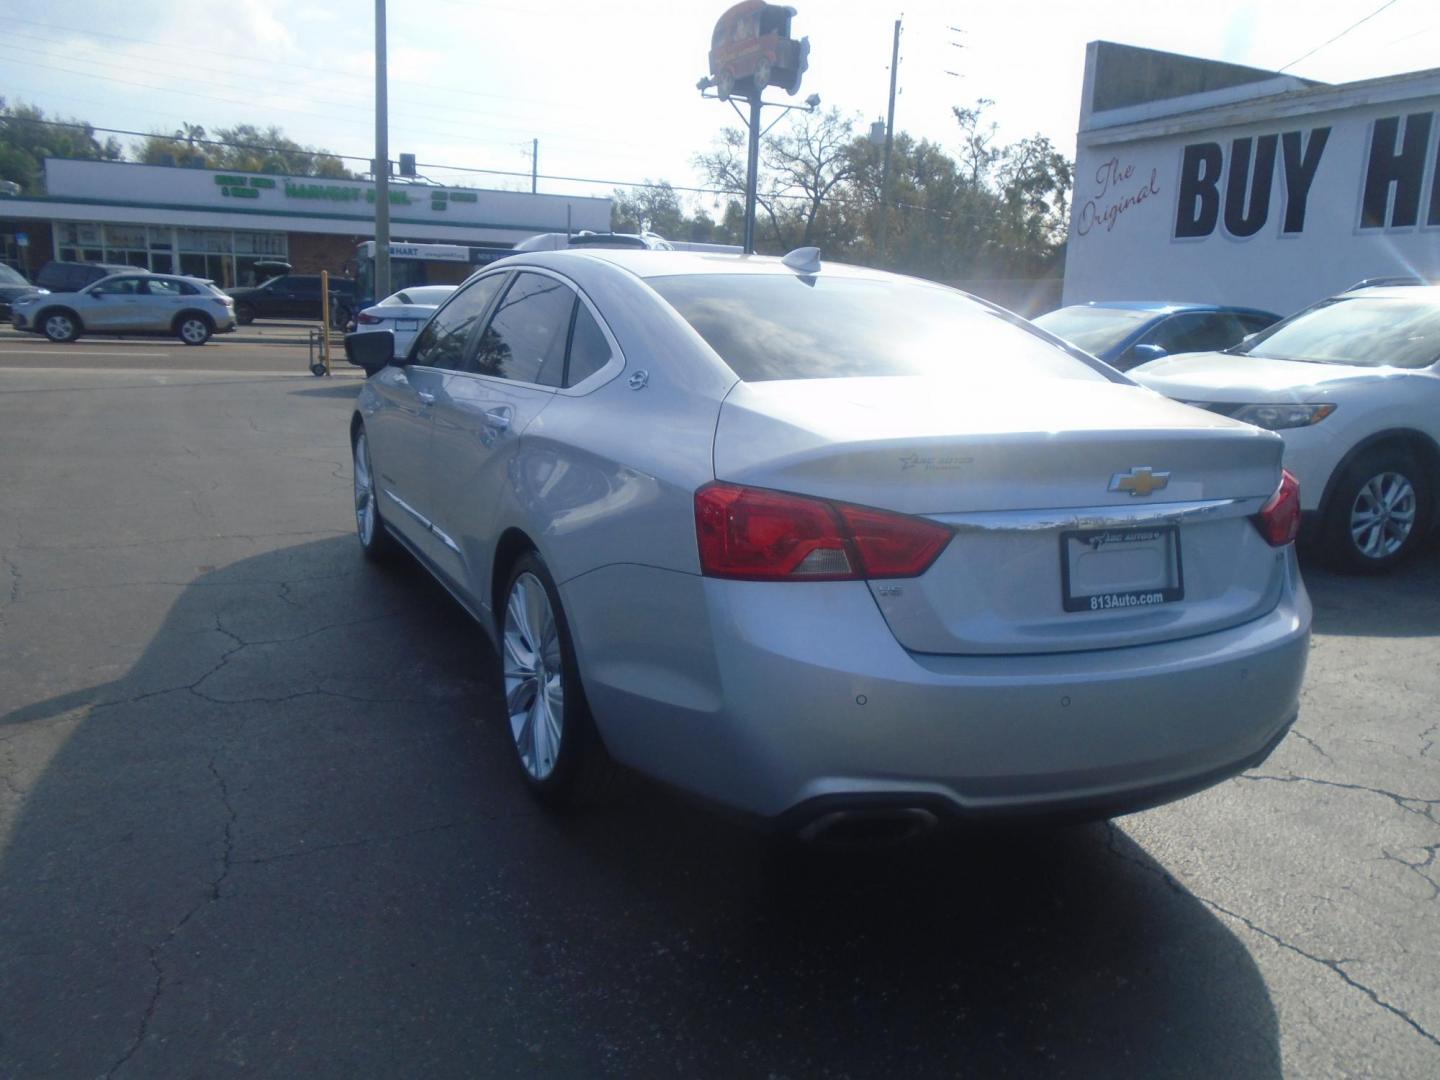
{"x":1278,"y":417}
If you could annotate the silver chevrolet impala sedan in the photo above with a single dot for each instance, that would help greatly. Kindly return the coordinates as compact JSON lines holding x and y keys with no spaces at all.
{"x":832,"y":546}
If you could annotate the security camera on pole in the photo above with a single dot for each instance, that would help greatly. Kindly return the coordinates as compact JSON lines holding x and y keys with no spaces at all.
{"x":751,"y":49}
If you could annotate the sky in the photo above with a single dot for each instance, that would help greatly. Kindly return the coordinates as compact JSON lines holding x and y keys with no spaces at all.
{"x":608,"y":87}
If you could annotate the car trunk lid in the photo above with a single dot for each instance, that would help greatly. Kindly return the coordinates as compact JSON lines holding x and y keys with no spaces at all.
{"x":1037,"y":487}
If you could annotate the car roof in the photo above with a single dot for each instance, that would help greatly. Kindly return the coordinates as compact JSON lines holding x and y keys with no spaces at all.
{"x":648,"y":264}
{"x":1424,"y":293}
{"x":1170,"y":307}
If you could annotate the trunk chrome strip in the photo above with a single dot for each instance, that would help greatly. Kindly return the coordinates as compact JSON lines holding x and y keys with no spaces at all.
{"x":1099,"y":517}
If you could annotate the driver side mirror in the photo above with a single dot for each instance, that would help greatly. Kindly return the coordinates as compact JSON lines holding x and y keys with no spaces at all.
{"x":372,"y":350}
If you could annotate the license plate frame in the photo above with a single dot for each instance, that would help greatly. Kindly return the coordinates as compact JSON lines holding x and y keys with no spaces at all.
{"x":407,"y":324}
{"x":1172,"y":590}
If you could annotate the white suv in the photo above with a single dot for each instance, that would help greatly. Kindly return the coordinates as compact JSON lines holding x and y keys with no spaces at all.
{"x":189,"y":308}
{"x":1353,"y":386}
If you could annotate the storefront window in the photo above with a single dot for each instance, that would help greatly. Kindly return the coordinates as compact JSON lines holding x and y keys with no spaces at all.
{"x":223,"y":256}
{"x":125,"y":236}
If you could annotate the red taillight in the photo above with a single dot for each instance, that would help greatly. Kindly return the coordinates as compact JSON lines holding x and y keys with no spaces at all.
{"x":1279,"y":519}
{"x":760,"y":535}
{"x":368,"y":320}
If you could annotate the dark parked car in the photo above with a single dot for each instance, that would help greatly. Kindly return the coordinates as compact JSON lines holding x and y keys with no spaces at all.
{"x":1125,"y":333}
{"x":13,"y":286}
{"x":290,"y":296}
{"x":60,"y":276}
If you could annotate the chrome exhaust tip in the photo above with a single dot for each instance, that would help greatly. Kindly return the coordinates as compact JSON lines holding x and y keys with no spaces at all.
{"x":877,"y":827}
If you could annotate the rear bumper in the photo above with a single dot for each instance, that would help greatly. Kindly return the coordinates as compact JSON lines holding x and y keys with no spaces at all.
{"x":778,"y":699}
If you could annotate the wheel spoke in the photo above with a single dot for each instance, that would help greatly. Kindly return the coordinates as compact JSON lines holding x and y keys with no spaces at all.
{"x":534,"y":680}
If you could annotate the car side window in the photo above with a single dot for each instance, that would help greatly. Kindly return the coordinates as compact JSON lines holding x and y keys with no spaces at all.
{"x":589,"y":348}
{"x":306,"y":287}
{"x":161,"y":287}
{"x":1197,"y":332}
{"x":120,"y":287}
{"x":442,"y":343}
{"x":527,"y":336}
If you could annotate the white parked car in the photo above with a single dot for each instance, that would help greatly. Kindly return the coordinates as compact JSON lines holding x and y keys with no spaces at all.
{"x":1353,"y":386}
{"x":403,"y":313}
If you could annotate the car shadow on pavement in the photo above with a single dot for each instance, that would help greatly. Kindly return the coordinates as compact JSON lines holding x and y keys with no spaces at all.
{"x":1403,"y":603}
{"x":290,"y":840}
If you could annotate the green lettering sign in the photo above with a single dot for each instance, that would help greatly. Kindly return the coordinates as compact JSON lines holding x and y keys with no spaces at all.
{"x":230,"y":181}
{"x":261,"y":181}
{"x":463,"y":196}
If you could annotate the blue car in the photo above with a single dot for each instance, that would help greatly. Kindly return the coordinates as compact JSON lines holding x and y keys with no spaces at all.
{"x":1126,"y":333}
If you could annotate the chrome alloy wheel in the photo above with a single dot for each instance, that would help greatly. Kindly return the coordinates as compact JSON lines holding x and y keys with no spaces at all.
{"x":1383,"y":515}
{"x":59,"y":327}
{"x":534,"y":676}
{"x":364,"y":491}
{"x":194,"y":332}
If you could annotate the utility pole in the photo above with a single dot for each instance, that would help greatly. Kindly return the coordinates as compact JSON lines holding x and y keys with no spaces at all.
{"x":382,"y":162}
{"x":752,"y":170}
{"x":883,"y":228}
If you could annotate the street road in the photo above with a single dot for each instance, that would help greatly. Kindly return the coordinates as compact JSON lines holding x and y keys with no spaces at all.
{"x":257,"y":818}
{"x":268,"y":346}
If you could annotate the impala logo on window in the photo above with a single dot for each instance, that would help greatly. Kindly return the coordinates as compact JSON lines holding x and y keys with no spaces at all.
{"x":1140,"y":480}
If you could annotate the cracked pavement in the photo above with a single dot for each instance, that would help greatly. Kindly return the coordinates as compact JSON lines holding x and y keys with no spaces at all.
{"x":257,"y":818}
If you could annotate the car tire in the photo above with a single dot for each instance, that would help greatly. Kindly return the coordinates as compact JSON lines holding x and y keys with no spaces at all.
{"x":375,"y":540}
{"x":60,"y":326}
{"x":244,"y":314}
{"x":552,"y":733}
{"x":193,"y":329}
{"x":1378,"y":513}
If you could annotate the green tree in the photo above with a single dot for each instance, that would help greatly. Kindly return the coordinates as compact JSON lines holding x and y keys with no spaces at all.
{"x":658,"y":208}
{"x":243,"y":148}
{"x":28,"y":137}
{"x":654,"y":209}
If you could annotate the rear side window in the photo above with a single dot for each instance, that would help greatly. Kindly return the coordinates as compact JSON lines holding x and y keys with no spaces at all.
{"x":782,"y":326}
{"x":589,"y":349}
{"x":167,"y":287}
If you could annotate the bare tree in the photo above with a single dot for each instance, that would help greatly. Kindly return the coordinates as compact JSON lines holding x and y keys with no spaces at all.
{"x":978,"y":153}
{"x":801,"y":166}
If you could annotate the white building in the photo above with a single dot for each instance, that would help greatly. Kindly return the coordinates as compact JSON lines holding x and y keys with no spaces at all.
{"x":219,"y":224}
{"x":1203,"y":181}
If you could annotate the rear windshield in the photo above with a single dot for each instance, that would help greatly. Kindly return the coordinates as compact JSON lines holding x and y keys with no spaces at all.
{"x":1094,"y":329}
{"x":781,"y":326}
{"x":1368,"y":331}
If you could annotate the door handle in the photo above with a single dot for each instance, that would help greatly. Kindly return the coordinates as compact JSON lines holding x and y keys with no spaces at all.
{"x":499,"y":418}
{"x":426,"y":398}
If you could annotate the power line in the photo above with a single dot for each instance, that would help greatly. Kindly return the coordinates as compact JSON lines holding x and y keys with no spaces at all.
{"x":644,"y":184}
{"x":1337,"y":37}
{"x":448,"y":130}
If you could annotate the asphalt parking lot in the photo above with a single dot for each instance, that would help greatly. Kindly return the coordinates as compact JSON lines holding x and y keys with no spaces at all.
{"x":257,"y":818}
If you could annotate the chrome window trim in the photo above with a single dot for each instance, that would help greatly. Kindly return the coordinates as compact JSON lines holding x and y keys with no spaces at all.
{"x":1100,"y":517}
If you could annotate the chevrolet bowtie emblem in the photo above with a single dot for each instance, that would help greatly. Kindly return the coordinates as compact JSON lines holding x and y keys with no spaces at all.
{"x":1141,"y":480}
